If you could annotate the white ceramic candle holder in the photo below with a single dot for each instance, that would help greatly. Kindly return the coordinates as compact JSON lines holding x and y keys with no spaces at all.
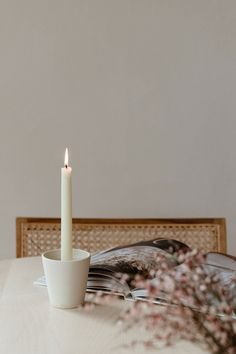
{"x":66,"y":280}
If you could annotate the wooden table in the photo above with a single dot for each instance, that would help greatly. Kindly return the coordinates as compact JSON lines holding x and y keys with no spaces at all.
{"x":29,"y":325}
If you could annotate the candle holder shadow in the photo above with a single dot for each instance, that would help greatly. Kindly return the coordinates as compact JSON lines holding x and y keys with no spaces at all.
{"x":66,"y":280}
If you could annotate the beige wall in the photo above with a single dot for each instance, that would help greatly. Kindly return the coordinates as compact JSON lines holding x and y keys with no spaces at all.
{"x":143,"y":94}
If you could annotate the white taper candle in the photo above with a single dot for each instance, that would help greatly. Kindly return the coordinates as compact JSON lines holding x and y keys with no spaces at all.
{"x":66,"y":211}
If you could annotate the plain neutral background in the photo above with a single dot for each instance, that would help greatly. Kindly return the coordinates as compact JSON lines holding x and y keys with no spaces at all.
{"x":143,"y":94}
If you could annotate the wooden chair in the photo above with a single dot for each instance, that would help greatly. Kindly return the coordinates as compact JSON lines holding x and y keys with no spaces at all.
{"x":36,"y":235}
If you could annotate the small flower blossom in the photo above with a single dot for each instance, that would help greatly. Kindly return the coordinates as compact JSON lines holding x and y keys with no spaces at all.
{"x":203,"y":287}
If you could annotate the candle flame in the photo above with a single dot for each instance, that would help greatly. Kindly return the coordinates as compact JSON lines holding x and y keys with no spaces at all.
{"x":66,"y":158}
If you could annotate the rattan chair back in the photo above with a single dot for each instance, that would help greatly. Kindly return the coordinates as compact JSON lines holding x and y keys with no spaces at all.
{"x":36,"y":235}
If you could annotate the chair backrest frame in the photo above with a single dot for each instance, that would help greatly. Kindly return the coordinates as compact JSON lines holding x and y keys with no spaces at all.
{"x":28,"y":230}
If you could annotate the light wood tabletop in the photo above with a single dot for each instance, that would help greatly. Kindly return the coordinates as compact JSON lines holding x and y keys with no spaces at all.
{"x":29,"y":325}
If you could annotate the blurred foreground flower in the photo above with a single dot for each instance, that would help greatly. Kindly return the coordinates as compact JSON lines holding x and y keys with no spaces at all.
{"x":195,"y":305}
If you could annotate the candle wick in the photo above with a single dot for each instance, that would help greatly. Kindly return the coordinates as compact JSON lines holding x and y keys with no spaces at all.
{"x":66,"y":166}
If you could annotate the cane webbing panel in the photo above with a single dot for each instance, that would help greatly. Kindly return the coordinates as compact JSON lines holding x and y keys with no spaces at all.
{"x":35,"y":236}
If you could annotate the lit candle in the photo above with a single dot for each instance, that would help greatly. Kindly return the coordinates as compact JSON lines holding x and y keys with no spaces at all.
{"x":66,"y":211}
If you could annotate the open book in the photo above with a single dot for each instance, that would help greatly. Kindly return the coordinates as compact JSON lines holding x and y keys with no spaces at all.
{"x":140,"y":258}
